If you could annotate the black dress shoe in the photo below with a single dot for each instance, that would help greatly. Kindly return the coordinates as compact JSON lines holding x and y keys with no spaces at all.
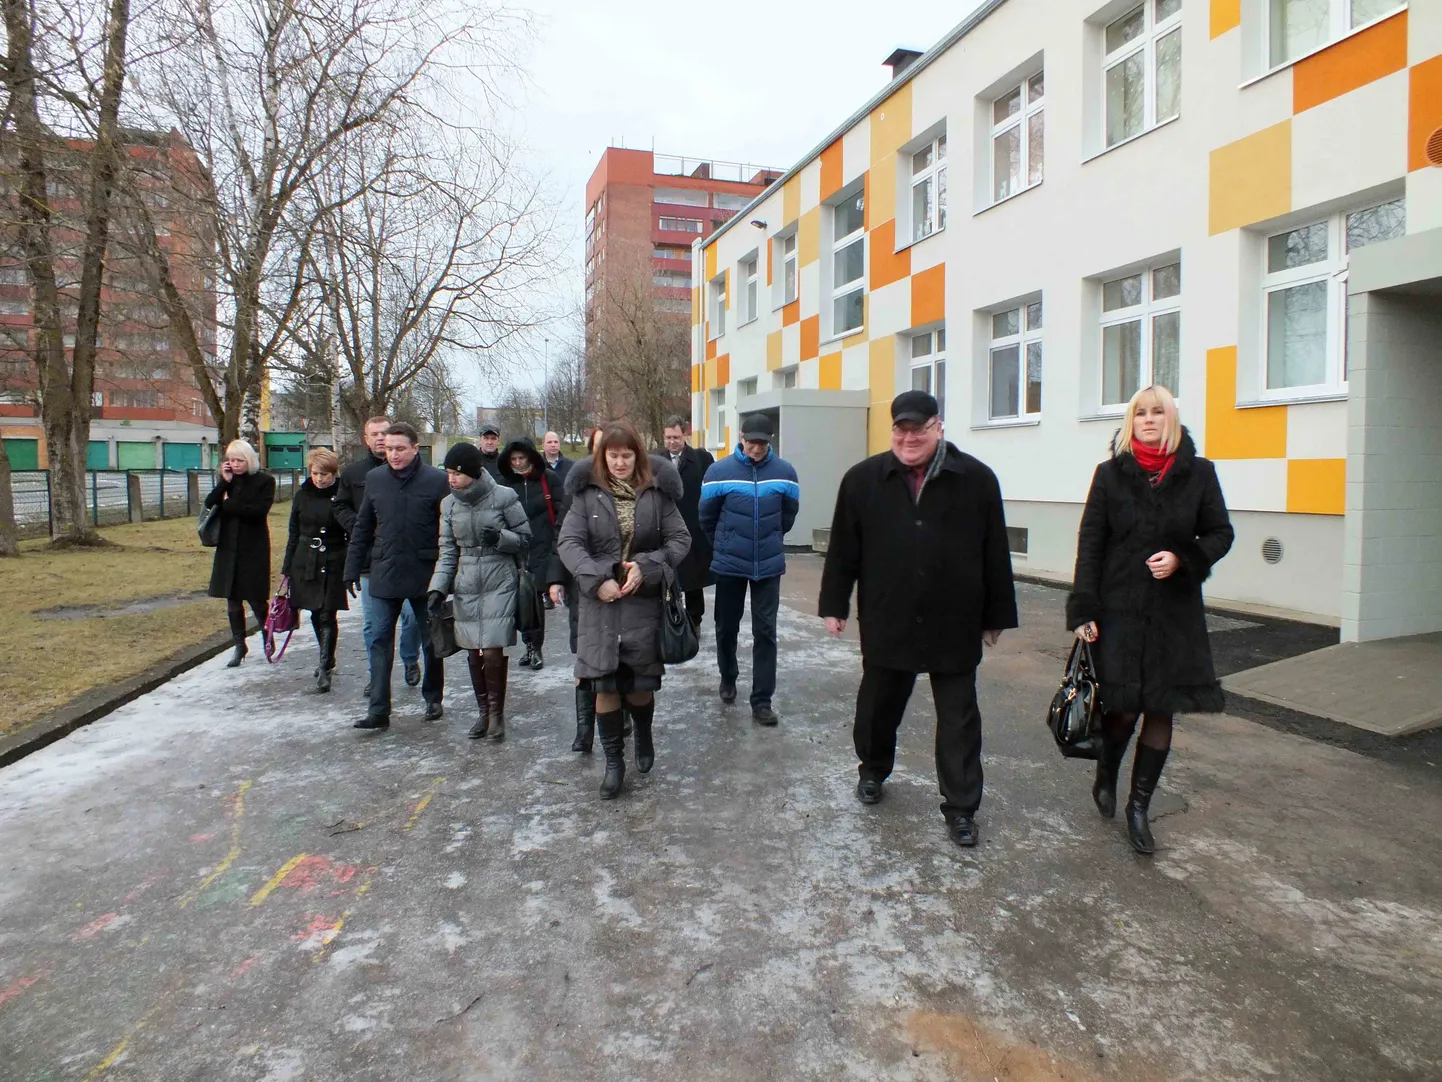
{"x":728,"y":693}
{"x":413,"y":673}
{"x":962,"y":830}
{"x":372,"y":721}
{"x":764,"y":715}
{"x":868,"y":791}
{"x":434,"y":711}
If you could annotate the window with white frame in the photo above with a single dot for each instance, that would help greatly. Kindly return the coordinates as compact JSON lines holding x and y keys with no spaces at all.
{"x":784,"y":378}
{"x":718,"y":416}
{"x":717,"y":302}
{"x":787,"y":244}
{"x":928,"y":366}
{"x":680,"y":196}
{"x":1143,"y":69}
{"x":681,"y":225}
{"x":1298,"y":27}
{"x":671,"y":279}
{"x":750,"y":289}
{"x":1141,"y":328}
{"x":848,"y":263}
{"x":928,"y":188}
{"x":1015,"y":363}
{"x":1305,"y":287}
{"x":730,"y":202}
{"x":1017,"y":137}
{"x":746,"y":387}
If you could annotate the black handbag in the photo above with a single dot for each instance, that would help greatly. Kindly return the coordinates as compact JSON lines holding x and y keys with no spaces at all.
{"x":1075,"y":714}
{"x":679,"y":643}
{"x":443,"y":632}
{"x":209,"y":527}
{"x":530,"y":616}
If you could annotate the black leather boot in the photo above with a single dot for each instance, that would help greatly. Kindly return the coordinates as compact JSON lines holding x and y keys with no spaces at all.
{"x":614,"y":744}
{"x":237,"y":635}
{"x":1104,"y":788}
{"x":645,"y":750}
{"x":327,"y":659}
{"x":477,"y":666}
{"x":496,"y":672}
{"x":529,"y":657}
{"x":1146,"y":772}
{"x":585,"y":720}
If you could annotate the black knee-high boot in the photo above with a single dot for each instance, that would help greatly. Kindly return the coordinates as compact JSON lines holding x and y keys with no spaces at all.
{"x":1146,"y":772}
{"x":614,"y":743}
{"x":585,"y":720}
{"x":477,"y":665}
{"x":237,"y":636}
{"x":645,"y":751}
{"x":1104,"y":788}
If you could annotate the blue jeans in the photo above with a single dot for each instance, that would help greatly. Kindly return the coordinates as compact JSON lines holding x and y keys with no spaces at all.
{"x":410,"y":638}
{"x":382,"y":655}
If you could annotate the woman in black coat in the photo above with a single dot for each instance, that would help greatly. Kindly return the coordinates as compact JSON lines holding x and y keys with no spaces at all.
{"x":313,"y":572}
{"x":1155,"y":523}
{"x":241,"y":572}
{"x":541,"y":493}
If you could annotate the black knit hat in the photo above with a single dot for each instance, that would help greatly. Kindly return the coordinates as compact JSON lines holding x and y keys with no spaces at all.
{"x":465,"y":458}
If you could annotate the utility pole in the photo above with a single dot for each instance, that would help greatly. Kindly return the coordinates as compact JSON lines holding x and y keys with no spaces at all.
{"x":546,"y":386}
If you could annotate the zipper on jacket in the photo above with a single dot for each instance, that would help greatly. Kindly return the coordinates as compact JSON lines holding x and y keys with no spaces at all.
{"x":756,"y":520}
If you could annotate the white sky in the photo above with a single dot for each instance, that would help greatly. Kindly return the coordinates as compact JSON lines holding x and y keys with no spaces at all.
{"x":758,"y":81}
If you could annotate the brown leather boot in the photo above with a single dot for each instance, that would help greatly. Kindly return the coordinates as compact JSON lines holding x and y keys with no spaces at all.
{"x":478,"y":685}
{"x":497,"y":669}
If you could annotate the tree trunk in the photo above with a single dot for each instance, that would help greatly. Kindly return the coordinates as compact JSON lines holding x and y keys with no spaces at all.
{"x":9,"y":536}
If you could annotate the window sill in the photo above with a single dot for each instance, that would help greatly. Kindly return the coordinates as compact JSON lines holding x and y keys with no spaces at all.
{"x":1300,"y":399}
{"x":783,"y":304}
{"x":1009,"y":422}
{"x":853,"y":333}
{"x":747,"y":322}
{"x":1129,"y":141}
{"x":913,"y":243}
{"x":1013,"y":195}
{"x":1105,"y":416}
{"x":1320,"y":48}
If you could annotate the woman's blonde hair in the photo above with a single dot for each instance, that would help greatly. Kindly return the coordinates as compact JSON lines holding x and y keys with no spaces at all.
{"x":241,"y":449}
{"x":1171,"y":426}
{"x":323,"y":458}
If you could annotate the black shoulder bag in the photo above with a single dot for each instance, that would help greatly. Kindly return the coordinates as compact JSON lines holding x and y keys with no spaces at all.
{"x":679,"y":643}
{"x":1075,"y":713}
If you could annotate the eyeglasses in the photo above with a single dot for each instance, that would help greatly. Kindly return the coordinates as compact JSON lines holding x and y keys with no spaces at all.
{"x":907,"y":432}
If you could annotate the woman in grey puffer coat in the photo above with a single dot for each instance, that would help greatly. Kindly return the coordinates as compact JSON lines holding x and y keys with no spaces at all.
{"x":622,"y":529}
{"x":484,"y":534}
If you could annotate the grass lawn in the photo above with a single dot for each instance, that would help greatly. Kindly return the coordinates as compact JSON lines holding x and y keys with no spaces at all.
{"x":47,"y":660}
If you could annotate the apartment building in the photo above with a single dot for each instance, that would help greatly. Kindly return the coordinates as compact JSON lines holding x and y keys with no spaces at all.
{"x":148,"y":412}
{"x":1060,"y":203}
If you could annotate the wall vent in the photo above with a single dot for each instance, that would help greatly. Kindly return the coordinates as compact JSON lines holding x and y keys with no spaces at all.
{"x":1272,"y":550}
{"x":1434,"y":147}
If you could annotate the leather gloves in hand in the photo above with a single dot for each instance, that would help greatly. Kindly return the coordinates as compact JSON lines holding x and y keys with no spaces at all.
{"x":435,"y":602}
{"x":491,"y":536}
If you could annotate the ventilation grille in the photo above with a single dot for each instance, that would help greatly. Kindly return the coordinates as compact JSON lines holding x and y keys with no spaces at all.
{"x":1434,"y":147}
{"x":1272,"y":550}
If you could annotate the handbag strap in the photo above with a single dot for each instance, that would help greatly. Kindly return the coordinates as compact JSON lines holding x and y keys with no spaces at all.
{"x":546,"y":491}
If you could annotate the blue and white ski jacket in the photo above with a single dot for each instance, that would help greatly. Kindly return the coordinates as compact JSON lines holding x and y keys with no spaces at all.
{"x":747,"y":508}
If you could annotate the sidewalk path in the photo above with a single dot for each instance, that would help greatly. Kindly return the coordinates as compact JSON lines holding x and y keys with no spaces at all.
{"x":223,"y":880}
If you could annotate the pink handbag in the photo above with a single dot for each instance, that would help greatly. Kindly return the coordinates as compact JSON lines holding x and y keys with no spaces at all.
{"x":280,"y":619}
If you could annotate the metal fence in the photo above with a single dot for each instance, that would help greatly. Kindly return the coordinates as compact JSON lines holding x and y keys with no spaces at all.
{"x":111,"y":497}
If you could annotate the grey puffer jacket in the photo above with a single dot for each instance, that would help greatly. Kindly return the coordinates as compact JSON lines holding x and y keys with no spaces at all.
{"x":481,"y":577}
{"x":629,"y":628}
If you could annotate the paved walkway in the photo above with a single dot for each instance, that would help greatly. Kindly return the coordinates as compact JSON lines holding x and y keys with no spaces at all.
{"x":225,"y":881}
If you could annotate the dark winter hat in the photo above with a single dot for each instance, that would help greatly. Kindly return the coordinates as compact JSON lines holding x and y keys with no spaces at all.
{"x":465,"y":458}
{"x":757,"y":426}
{"x":912,"y":406}
{"x":489,"y":429}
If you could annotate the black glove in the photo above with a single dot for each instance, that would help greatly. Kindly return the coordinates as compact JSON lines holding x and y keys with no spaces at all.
{"x":435,"y":603}
{"x":491,"y":536}
{"x":352,"y":587}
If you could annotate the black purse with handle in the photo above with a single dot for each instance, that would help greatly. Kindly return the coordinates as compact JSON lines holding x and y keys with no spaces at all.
{"x":1075,"y":713}
{"x":679,"y":643}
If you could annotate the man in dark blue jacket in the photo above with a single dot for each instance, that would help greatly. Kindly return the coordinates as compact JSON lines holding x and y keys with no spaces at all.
{"x":398,"y":531}
{"x":749,"y":501}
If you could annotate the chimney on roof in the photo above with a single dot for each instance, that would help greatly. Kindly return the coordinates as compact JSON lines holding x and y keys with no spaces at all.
{"x":900,"y":60}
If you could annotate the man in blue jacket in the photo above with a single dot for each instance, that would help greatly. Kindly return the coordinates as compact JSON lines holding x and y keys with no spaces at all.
{"x":749,"y":501}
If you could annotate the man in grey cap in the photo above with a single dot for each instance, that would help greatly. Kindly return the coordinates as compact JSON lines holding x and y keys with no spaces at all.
{"x":491,"y":450}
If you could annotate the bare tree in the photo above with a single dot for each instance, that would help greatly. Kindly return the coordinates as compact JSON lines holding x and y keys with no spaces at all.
{"x":567,"y":397}
{"x":432,"y":400}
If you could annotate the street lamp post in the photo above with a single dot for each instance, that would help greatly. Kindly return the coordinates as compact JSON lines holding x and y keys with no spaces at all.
{"x":546,"y":385}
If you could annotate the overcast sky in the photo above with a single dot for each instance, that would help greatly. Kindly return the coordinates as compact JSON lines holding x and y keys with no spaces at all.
{"x":745,"y":81}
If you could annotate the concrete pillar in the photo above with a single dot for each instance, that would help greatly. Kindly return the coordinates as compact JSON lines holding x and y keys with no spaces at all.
{"x":135,"y":500}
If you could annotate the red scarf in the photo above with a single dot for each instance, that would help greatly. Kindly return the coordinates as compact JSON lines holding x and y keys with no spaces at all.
{"x":1153,"y":460}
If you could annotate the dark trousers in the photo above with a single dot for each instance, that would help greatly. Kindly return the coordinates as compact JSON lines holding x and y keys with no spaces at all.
{"x":880,"y":705}
{"x":537,"y":639}
{"x":387,"y":611}
{"x":696,"y":605}
{"x":730,"y":604}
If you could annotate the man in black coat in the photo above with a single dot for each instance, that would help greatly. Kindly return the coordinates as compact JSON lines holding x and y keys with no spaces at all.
{"x":350,"y":494}
{"x":491,"y":450}
{"x":921,"y":532}
{"x":551,"y":445}
{"x":401,"y":520}
{"x":694,"y":574}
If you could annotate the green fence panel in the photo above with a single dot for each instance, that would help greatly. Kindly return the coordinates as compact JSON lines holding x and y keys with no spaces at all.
{"x":97,"y":455}
{"x":182,"y":456}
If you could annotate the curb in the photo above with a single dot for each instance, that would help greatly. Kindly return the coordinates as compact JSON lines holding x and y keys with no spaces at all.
{"x":98,"y":702}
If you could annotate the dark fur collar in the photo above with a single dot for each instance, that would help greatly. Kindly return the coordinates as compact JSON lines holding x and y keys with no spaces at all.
{"x":664,"y":476}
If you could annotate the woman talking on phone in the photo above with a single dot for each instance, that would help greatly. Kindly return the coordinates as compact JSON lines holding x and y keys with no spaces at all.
{"x":1155,"y":523}
{"x":241,"y":572}
{"x":622,"y":528}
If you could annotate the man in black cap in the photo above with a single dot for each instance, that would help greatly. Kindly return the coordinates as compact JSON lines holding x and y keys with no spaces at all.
{"x":749,"y":502}
{"x":920,"y":531}
{"x":491,"y":450}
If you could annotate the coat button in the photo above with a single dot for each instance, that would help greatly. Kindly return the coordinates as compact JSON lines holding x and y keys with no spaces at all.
{"x":918,"y":619}
{"x":918,"y":522}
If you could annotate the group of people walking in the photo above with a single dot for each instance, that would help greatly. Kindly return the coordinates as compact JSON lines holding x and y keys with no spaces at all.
{"x":918,"y":536}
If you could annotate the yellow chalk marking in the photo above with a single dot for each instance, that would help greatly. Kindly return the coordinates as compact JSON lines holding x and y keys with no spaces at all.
{"x":119,"y":1050}
{"x":331,"y":935}
{"x":425,"y":801}
{"x":230,"y":857}
{"x":279,"y":877}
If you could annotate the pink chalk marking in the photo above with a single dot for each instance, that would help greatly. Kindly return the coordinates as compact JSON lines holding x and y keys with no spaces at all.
{"x":196,"y":839}
{"x":314,"y":871}
{"x":242,"y":969}
{"x":145,"y":884}
{"x":95,"y":927}
{"x":16,"y":988}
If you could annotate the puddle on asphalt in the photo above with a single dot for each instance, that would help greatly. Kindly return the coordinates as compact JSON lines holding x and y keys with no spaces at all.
{"x":138,"y":607}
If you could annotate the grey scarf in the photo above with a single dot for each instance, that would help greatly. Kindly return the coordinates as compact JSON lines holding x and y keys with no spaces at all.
{"x":932,"y":468}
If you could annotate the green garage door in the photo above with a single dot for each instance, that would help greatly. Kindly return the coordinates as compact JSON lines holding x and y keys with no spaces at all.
{"x":182,"y":456}
{"x":24,"y":454}
{"x":285,"y":450}
{"x":97,"y":455}
{"x":135,"y":456}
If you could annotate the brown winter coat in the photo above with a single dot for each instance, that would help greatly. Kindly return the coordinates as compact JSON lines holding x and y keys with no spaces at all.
{"x":629,"y":628}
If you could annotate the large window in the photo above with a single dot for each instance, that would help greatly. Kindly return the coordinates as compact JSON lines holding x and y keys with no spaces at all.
{"x":1305,"y":290}
{"x":685,"y":197}
{"x":1298,"y":27}
{"x":681,"y":225}
{"x":928,"y":366}
{"x":928,"y":188}
{"x":671,"y":251}
{"x":1141,"y":332}
{"x":788,"y":268}
{"x":717,"y":303}
{"x":1017,"y":138}
{"x":1143,"y":69}
{"x":848,"y":264}
{"x":751,"y":289}
{"x":671,"y":279}
{"x":1016,"y":362}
